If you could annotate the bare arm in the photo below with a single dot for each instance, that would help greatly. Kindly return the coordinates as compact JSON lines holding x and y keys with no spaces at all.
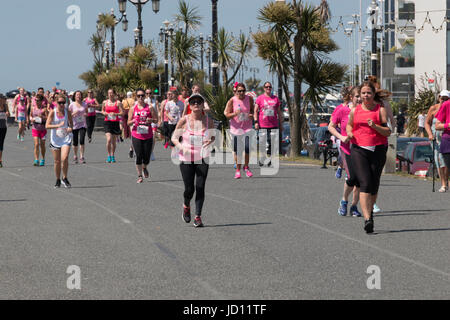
{"x":429,"y":122}
{"x":349,"y":127}
{"x":229,"y":110}
{"x":385,"y":131}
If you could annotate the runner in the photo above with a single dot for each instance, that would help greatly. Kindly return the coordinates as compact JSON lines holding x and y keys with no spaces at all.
{"x":153,"y":103}
{"x":240,"y":110}
{"x":91,"y":104}
{"x":268,"y":116}
{"x":340,"y":119}
{"x":140,"y":117}
{"x":435,"y":137}
{"x":368,"y":129}
{"x":194,"y":153}
{"x":60,"y":122}
{"x":38,"y":118}
{"x":4,"y":114}
{"x":127,"y":104}
{"x":52,"y":104}
{"x":442,"y":123}
{"x":21,"y":105}
{"x":173,"y":109}
{"x":112,"y":109}
{"x":187,"y":109}
{"x":78,"y":110}
{"x":164,"y":122}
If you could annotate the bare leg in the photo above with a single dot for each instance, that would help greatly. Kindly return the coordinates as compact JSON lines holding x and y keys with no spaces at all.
{"x":36,"y":148}
{"x":65,"y":150}
{"x":355,"y":196}
{"x":82,"y":151}
{"x":43,"y":148}
{"x":113,"y":144}
{"x":347,"y":191}
{"x":108,"y":143}
{"x":366,"y":204}
{"x":57,"y":161}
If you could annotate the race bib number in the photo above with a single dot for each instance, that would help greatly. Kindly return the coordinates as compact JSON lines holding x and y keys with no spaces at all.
{"x":112,"y":117}
{"x":21,"y":114}
{"x":61,"y":132}
{"x":78,"y":119}
{"x":269,"y":112}
{"x":142,"y":129}
{"x":37,"y":120}
{"x":197,"y":141}
{"x":242,"y":116}
{"x":91,"y":110}
{"x":2,"y":115}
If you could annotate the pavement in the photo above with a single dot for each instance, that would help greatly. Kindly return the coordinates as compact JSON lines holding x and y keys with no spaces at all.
{"x":267,"y":237}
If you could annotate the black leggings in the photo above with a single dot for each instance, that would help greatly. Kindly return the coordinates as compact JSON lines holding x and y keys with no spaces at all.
{"x":82,"y":133}
{"x":351,"y":180}
{"x":171,"y":128}
{"x":246,"y":144}
{"x":2,"y":137}
{"x":90,"y":122}
{"x":368,"y":166}
{"x":143,"y":150}
{"x":188,"y":172}
{"x":268,"y":139}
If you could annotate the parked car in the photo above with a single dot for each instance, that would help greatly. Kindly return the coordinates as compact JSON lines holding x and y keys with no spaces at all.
{"x":416,"y":158}
{"x":317,"y":136}
{"x":402,"y":143}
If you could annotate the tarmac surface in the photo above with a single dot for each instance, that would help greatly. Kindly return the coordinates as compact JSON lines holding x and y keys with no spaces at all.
{"x":267,"y":237}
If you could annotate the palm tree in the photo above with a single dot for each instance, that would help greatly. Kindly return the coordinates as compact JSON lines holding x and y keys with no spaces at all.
{"x":324,"y":11}
{"x":185,"y":52}
{"x":188,"y":16}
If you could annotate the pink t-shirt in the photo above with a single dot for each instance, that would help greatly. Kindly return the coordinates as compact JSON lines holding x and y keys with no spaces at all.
{"x":268,"y":111}
{"x":340,"y":117}
{"x":90,"y":110}
{"x":78,"y":115}
{"x":141,"y":130}
{"x":443,"y":116}
{"x":241,"y":123}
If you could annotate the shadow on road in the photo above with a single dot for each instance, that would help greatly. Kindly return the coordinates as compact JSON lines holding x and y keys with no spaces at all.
{"x":92,"y":187}
{"x":411,"y":230}
{"x":236,"y":224}
{"x":13,"y":200}
{"x":408,"y":212}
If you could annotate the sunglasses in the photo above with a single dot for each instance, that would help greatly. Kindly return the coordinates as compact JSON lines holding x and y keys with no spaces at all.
{"x":140,"y":95}
{"x":61,"y":102}
{"x":268,"y":87}
{"x":240,"y":90}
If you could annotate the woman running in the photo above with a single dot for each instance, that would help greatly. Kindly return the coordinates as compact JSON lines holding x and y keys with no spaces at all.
{"x":91,"y":104}
{"x":112,"y":109}
{"x":60,"y":122}
{"x":4,"y":114}
{"x":141,"y":116}
{"x":340,"y":119}
{"x":38,"y":118}
{"x":368,"y":129}
{"x":78,"y":111}
{"x":194,"y":153}
{"x":268,"y":116}
{"x":435,"y":137}
{"x":240,"y":110}
{"x":21,"y":105}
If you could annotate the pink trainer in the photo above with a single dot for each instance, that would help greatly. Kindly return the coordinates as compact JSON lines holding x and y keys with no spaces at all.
{"x":248,"y":173}
{"x":237,"y":175}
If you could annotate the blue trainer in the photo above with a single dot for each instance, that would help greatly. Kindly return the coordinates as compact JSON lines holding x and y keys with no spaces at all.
{"x":354,"y":211}
{"x":343,"y":208}
{"x":376,"y":208}
{"x":339,"y":173}
{"x":108,"y":160}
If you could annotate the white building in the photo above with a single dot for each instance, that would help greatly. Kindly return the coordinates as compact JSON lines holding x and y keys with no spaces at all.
{"x":416,"y":45}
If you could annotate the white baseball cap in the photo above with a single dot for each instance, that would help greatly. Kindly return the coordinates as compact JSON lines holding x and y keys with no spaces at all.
{"x":129,"y":94}
{"x":445,"y":93}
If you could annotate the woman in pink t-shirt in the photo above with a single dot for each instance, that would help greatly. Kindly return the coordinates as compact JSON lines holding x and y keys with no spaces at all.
{"x":239,"y":111}
{"x":268,"y":116}
{"x":340,"y":119}
{"x":79,"y":111}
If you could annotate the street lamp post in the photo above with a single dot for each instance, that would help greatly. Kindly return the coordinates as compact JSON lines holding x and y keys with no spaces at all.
{"x":215,"y":54}
{"x":124,"y":21}
{"x":136,"y":37}
{"x":164,"y":37}
{"x":138,"y":4}
{"x":107,"y":54}
{"x":373,"y":11}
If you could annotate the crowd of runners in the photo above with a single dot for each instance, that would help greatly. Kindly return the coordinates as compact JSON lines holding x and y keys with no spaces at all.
{"x":361,"y":125}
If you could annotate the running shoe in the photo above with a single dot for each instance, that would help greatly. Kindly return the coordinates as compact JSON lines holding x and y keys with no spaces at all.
{"x":146,"y":175}
{"x":166,"y":145}
{"x":83,"y":160}
{"x":113,"y":159}
{"x":1,"y":164}
{"x":66,"y":183}
{"x":42,"y":163}
{"x":58,"y":183}
{"x":339,"y":173}
{"x":75,"y":159}
{"x":376,"y":208}
{"x":354,"y":211}
{"x":130,"y":153}
{"x":186,"y":214}
{"x":248,"y":173}
{"x":152,"y":157}
{"x":342,"y":211}
{"x":140,"y":179}
{"x":36,"y":163}
{"x":443,"y":189}
{"x":108,"y":160}
{"x":198,"y":222}
{"x":89,"y":140}
{"x":22,"y":139}
{"x":269,"y":164}
{"x":368,"y":226}
{"x":18,"y":136}
{"x":235,"y":166}
{"x":237,"y":175}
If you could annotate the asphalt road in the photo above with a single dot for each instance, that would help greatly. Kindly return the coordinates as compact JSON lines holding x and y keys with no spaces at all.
{"x":268,"y":237}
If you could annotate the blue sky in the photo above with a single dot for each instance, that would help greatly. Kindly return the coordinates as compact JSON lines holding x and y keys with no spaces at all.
{"x":39,"y":50}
